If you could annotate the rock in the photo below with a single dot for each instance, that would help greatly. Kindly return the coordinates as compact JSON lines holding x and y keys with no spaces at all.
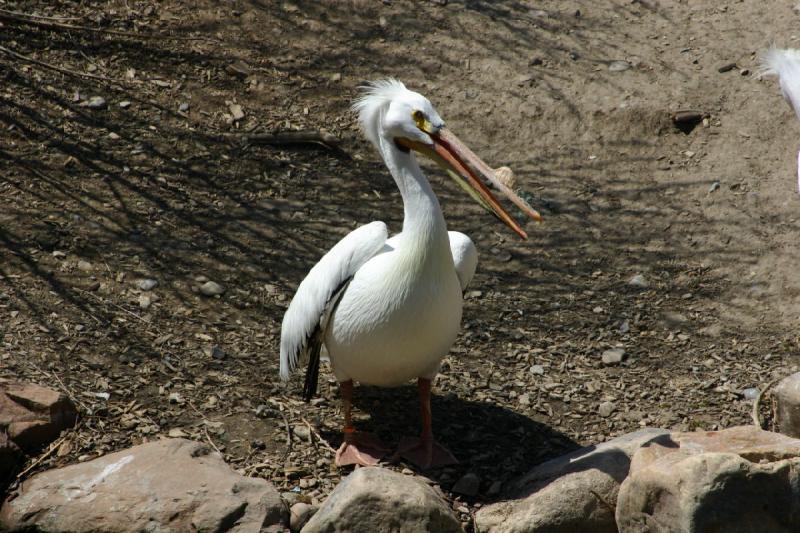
{"x":506,"y":176}
{"x":238,"y":68}
{"x":735,"y":480}
{"x":125,"y":104}
{"x":638,"y":281}
{"x":299,"y":514}
{"x":376,"y":499}
{"x":606,"y":408}
{"x":618,"y":66}
{"x":537,"y":370}
{"x":750,"y":394}
{"x":86,"y":266}
{"x":713,"y":187}
{"x":787,"y":397}
{"x":11,"y":458}
{"x":468,"y":485}
{"x":726,"y":67}
{"x":574,"y":493}
{"x":146,"y":284}
{"x":613,"y":356}
{"x":184,"y":107}
{"x":96,"y":102}
{"x":166,"y":485}
{"x":145,"y":301}
{"x":211,"y":288}
{"x":236,"y":111}
{"x":32,"y":416}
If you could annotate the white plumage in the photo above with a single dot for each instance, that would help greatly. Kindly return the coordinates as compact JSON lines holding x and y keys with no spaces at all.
{"x":388,"y":310}
{"x":785,"y":63}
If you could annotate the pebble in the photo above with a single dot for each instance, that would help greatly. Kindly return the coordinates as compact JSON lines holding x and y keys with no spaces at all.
{"x":175,"y":397}
{"x":750,"y":393}
{"x":184,"y":107}
{"x":211,"y":288}
{"x":525,"y":399}
{"x":638,"y":281}
{"x":301,"y":432}
{"x":300,"y":514}
{"x":613,"y":356}
{"x":96,"y":102}
{"x":618,"y":66}
{"x":714,"y":186}
{"x":537,"y":370}
{"x":215,"y":352}
{"x":125,"y":104}
{"x":468,"y":485}
{"x":146,"y":284}
{"x":606,"y":408}
{"x":145,"y":301}
{"x":336,"y":77}
{"x":86,"y":266}
{"x":726,"y":67}
{"x":113,"y":136}
{"x":625,"y":327}
{"x":177,"y":433}
{"x":58,"y":254}
{"x":236,"y":111}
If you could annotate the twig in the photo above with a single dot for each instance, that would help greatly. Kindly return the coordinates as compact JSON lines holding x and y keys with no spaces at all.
{"x":37,"y":16}
{"x":211,"y":442}
{"x":316,"y":434}
{"x":756,"y":415}
{"x":68,"y":72}
{"x":27,"y":19}
{"x":115,"y":305}
{"x":288,"y":137}
{"x":42,"y":457}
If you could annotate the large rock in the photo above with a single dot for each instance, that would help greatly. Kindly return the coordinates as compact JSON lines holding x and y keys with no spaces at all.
{"x":572,"y":494}
{"x":787,"y":398}
{"x":375,"y":499}
{"x":740,"y":479}
{"x":33,"y":416}
{"x":167,"y":485}
{"x":10,"y":459}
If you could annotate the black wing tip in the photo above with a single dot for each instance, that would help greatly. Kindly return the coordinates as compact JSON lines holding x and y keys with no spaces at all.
{"x":312,"y":371}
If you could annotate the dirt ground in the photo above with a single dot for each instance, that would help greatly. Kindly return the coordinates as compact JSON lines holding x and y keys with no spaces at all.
{"x":576,"y":97}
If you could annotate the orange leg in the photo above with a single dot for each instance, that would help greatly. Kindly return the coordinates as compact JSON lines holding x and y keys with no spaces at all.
{"x":358,"y":448}
{"x":424,"y":451}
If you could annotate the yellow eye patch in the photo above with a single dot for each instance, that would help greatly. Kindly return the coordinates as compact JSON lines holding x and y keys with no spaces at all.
{"x":422,"y":122}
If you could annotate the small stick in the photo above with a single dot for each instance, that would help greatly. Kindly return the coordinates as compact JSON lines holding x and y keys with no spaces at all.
{"x":756,"y":415}
{"x":316,"y":434}
{"x":289,"y":137}
{"x":68,"y":72}
{"x":42,"y":457}
{"x":27,"y":19}
{"x":211,"y":442}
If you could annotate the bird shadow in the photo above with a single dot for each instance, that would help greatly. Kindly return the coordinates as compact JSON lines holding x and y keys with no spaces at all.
{"x":492,"y":442}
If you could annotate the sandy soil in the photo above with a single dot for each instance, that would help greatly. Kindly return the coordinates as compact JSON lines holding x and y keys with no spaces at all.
{"x":577,"y":97}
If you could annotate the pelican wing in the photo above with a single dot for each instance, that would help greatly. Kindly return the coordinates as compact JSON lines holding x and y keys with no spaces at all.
{"x":785,"y":63}
{"x":303,"y":328}
{"x":465,"y":257}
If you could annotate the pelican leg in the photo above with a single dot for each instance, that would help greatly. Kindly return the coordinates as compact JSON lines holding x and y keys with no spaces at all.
{"x":363,"y":449}
{"x":424,"y":451}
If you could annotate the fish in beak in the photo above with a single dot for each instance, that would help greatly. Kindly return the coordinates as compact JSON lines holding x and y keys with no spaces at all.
{"x":467,"y":169}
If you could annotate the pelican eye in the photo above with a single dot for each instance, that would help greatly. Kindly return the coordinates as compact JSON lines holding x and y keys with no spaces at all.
{"x":422,"y":121}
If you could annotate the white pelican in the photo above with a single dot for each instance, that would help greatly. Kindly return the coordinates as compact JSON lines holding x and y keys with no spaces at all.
{"x":786,"y":65}
{"x":388,"y":310}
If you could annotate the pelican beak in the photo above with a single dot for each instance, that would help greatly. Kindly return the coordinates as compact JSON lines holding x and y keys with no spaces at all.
{"x":467,"y":169}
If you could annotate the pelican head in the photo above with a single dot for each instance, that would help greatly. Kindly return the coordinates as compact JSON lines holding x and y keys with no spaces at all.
{"x":388,"y":111}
